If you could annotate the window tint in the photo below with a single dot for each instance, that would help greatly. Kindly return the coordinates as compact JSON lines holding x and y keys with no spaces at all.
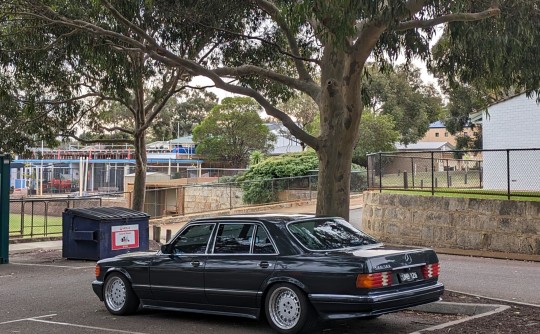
{"x":194,"y":239}
{"x":263,"y":245}
{"x":234,"y":239}
{"x":329,"y":234}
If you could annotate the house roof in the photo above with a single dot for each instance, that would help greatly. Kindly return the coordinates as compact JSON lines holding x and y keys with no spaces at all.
{"x":425,"y":146}
{"x":436,"y":125}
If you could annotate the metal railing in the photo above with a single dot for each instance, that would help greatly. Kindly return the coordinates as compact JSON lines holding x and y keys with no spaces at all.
{"x":509,"y":173}
{"x":42,"y":217}
{"x":35,"y":217}
{"x":198,"y":198}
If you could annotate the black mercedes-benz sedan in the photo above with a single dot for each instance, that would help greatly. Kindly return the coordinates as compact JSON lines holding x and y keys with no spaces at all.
{"x":297,"y":269}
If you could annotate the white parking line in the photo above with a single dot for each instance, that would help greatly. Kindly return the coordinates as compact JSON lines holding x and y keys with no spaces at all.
{"x":26,"y":319}
{"x":40,"y":319}
{"x":82,"y":326}
{"x":51,"y":265}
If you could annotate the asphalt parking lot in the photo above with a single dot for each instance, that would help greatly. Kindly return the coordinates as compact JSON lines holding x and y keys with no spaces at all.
{"x":43,"y":293}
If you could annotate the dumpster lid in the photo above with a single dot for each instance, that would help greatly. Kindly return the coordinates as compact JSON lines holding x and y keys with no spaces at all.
{"x":101,"y":213}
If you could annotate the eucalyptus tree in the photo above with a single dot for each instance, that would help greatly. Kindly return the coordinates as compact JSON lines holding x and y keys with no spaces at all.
{"x":65,"y":79}
{"x":272,"y":48}
{"x":497,"y":58}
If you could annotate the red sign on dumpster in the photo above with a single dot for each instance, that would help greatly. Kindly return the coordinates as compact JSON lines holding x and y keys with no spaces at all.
{"x":126,"y":236}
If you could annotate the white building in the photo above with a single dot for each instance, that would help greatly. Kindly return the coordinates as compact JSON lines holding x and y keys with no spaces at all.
{"x":512,"y":124}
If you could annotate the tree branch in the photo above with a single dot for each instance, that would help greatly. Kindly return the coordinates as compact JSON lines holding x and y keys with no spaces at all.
{"x":310,"y":88}
{"x":275,"y":14}
{"x":458,"y":17}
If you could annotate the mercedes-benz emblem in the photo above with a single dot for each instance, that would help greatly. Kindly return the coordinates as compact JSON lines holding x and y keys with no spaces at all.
{"x":408,"y":259}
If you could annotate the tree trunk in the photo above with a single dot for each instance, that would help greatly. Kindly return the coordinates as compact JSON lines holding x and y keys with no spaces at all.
{"x":333,"y":192}
{"x":139,"y":187}
{"x":340,"y":109}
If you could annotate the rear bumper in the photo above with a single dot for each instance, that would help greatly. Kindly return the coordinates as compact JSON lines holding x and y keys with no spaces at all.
{"x":358,"y":306}
{"x":97,"y":286}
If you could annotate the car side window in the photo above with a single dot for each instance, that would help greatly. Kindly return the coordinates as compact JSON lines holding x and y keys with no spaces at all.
{"x":233,"y":239}
{"x":193,"y":239}
{"x":263,"y":244}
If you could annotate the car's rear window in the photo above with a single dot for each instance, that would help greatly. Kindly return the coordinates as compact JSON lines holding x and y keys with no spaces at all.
{"x":329,"y":234}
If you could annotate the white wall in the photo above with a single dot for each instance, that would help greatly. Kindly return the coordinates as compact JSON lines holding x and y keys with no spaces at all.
{"x":512,"y":124}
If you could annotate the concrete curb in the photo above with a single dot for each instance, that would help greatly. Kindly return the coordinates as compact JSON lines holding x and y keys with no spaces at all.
{"x":473,"y":311}
{"x":495,"y":299}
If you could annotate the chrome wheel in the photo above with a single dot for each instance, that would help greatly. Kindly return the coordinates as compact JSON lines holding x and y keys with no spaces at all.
{"x":284,"y":308}
{"x":115,"y":293}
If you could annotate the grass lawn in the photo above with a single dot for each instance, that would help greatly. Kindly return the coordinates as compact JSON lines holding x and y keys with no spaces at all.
{"x":38,"y":226}
{"x":465,"y":193}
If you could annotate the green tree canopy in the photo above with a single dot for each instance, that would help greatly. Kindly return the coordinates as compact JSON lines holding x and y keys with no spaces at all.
{"x":267,"y":49}
{"x":377,"y":134}
{"x":497,"y":56}
{"x":231,"y":131}
{"x":402,"y":94}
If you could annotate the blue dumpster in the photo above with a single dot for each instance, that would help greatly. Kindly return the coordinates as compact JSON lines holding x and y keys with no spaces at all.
{"x":98,"y":233}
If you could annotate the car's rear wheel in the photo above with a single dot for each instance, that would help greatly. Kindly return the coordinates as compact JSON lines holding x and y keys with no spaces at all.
{"x":118,"y":295}
{"x":287,"y":309}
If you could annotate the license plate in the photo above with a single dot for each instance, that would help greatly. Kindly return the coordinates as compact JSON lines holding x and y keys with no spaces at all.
{"x":408,"y":277}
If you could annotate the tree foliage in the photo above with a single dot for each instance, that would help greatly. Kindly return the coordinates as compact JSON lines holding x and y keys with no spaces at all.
{"x":402,"y":95}
{"x":498,"y":56}
{"x":268,"y":49}
{"x":232,"y":130}
{"x":261,"y":182}
{"x":377,"y":134}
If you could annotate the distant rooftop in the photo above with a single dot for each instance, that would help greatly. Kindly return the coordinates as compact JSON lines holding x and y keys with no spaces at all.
{"x":436,"y":125}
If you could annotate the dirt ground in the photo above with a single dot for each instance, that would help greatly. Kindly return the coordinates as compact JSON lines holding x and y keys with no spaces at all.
{"x":517,"y":319}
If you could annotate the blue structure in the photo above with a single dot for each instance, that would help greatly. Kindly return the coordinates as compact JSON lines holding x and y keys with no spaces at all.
{"x":98,"y":233}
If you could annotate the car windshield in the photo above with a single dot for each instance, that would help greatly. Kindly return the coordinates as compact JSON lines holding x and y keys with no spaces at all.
{"x":329,"y":234}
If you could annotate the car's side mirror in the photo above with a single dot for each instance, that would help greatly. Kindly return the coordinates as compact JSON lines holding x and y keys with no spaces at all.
{"x":166,"y":249}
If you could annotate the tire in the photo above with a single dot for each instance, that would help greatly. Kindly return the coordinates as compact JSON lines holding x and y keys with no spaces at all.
{"x":288,"y":310}
{"x":118,"y":295}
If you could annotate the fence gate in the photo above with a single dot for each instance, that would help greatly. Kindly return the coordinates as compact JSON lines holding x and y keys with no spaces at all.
{"x":4,"y":208}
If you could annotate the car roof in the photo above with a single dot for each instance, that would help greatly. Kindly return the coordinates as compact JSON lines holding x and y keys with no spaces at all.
{"x":269,"y":217}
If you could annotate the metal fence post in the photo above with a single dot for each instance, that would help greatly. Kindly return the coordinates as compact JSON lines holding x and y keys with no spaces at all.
{"x":412,"y":171}
{"x":4,"y":208}
{"x":380,"y":172}
{"x":508,"y":172}
{"x":432,"y":175}
{"x":230,"y":196}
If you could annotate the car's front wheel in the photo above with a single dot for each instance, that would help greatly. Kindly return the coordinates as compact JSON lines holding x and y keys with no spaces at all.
{"x":287,"y":309}
{"x":118,"y":295}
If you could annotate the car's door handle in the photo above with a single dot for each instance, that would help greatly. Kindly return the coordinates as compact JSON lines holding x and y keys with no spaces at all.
{"x":195,"y":263}
{"x":264,"y":264}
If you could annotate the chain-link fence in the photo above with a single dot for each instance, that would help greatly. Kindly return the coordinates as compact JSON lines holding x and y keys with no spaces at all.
{"x":197,"y":198}
{"x":42,"y":217}
{"x":504,"y":173}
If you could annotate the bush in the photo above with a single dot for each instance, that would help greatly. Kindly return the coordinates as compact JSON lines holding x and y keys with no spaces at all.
{"x":256,"y":182}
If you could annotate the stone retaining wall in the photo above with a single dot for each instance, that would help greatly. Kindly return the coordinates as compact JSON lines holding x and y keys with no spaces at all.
{"x":459,"y":223}
{"x":203,"y":199}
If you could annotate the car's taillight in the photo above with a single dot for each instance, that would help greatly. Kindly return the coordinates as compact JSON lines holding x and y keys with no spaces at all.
{"x":98,"y":270}
{"x":375,"y":280}
{"x":431,"y":270}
